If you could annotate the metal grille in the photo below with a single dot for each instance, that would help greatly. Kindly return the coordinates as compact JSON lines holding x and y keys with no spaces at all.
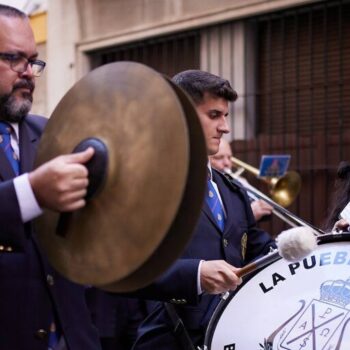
{"x":303,"y":99}
{"x":168,"y":55}
{"x":304,"y":70}
{"x":292,"y":71}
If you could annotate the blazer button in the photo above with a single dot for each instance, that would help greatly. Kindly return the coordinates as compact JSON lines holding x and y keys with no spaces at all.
{"x":225,"y":242}
{"x":177,"y":301}
{"x":41,"y":334}
{"x":8,"y":249}
{"x":50,"y":280}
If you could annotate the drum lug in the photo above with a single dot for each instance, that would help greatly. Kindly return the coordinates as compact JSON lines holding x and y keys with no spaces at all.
{"x":224,"y":296}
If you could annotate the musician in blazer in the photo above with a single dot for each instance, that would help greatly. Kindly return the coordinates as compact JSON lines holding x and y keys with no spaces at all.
{"x":210,"y":262}
{"x":221,"y":161}
{"x":36,"y":303}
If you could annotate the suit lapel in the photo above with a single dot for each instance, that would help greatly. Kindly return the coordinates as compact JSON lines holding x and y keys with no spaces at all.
{"x":209,"y":214}
{"x":225,"y":195}
{"x":6,"y":171}
{"x":29,"y":140}
{"x":227,"y":192}
{"x":28,"y":144}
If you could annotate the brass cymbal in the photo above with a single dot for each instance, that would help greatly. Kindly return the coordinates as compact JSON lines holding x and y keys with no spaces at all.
{"x":141,"y":218}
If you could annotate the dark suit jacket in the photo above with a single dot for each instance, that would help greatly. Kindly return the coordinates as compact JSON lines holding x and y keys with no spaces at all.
{"x":30,"y":290}
{"x":116,"y":318}
{"x":240,"y":242}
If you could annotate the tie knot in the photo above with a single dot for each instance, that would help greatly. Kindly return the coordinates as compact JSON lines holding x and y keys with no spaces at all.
{"x":5,"y":128}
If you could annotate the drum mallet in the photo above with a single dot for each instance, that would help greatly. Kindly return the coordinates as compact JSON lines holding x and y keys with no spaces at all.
{"x":292,"y":245}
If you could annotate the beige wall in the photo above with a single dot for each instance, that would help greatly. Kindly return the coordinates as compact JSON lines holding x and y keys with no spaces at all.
{"x":63,"y":36}
{"x":120,"y":20}
{"x":38,"y":24}
{"x":40,"y":92}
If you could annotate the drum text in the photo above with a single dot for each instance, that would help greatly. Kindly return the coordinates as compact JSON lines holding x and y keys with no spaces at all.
{"x":324,"y":259}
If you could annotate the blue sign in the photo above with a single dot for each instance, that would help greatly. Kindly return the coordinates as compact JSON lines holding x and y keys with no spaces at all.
{"x":274,"y":165}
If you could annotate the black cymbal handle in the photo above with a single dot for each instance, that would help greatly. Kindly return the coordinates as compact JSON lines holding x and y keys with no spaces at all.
{"x":97,"y":168}
{"x":97,"y":165}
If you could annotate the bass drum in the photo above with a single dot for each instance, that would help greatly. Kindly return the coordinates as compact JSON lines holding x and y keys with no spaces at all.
{"x":290,"y":306}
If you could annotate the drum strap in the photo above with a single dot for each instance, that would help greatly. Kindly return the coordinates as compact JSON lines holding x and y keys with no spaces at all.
{"x":179,"y":329}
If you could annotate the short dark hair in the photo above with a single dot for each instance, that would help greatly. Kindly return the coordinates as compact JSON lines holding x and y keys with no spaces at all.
{"x":9,"y":11}
{"x":196,"y":83}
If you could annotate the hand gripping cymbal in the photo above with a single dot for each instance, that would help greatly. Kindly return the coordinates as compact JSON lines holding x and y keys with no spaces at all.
{"x":147,"y":177}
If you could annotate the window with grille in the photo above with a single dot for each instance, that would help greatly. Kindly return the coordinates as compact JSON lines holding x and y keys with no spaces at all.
{"x":168,"y":55}
{"x":304,"y":70}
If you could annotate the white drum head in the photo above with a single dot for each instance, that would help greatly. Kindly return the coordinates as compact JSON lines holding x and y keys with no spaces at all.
{"x":289,"y":306}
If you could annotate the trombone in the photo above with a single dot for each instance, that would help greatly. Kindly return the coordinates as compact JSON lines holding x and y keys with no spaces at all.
{"x":284,"y":189}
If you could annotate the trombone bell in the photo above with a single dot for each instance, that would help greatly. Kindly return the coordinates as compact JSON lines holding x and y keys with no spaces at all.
{"x":283,"y":190}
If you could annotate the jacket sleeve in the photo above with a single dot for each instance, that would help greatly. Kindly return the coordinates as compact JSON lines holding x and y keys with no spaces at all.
{"x":12,"y":230}
{"x":11,"y":227}
{"x":177,"y":285}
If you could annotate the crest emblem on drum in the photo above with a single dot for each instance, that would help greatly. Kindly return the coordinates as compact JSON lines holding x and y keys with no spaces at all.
{"x":318,"y":326}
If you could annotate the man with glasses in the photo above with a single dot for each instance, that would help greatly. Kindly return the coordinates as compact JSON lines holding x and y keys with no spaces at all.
{"x":39,"y":309}
{"x":19,"y":63}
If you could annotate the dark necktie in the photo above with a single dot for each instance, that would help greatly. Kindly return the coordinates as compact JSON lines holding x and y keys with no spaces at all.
{"x":214,"y":204}
{"x":5,"y":144}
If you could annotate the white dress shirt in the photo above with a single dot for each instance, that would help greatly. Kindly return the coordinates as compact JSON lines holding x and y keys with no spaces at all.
{"x":28,"y":204}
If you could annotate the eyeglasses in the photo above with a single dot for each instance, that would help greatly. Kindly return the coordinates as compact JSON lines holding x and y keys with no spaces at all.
{"x":19,"y":63}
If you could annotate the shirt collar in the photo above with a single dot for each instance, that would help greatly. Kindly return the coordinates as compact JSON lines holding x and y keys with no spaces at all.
{"x":15,"y":129}
{"x":210,"y":171}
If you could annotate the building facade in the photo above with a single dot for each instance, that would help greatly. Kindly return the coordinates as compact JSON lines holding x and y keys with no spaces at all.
{"x":289,"y":61}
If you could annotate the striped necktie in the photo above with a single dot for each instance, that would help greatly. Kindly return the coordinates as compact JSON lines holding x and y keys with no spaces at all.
{"x":5,"y":144}
{"x":214,"y":204}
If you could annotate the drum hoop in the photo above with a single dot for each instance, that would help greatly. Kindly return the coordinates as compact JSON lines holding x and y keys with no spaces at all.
{"x":222,"y":306}
{"x":327,"y":238}
{"x":333,"y":237}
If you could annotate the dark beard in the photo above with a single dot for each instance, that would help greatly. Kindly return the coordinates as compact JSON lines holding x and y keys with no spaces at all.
{"x":12,"y":110}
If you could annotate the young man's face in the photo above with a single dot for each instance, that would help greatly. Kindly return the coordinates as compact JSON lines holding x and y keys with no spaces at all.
{"x":16,"y":89}
{"x":213,"y":112}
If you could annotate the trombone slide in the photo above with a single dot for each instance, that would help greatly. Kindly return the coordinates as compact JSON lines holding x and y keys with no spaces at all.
{"x":278,"y":210}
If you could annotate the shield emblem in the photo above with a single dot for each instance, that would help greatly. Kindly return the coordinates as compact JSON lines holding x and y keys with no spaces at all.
{"x":318,"y":327}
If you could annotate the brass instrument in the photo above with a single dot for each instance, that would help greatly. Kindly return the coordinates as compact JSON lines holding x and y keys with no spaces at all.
{"x":281,"y":212}
{"x":283,"y":190}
